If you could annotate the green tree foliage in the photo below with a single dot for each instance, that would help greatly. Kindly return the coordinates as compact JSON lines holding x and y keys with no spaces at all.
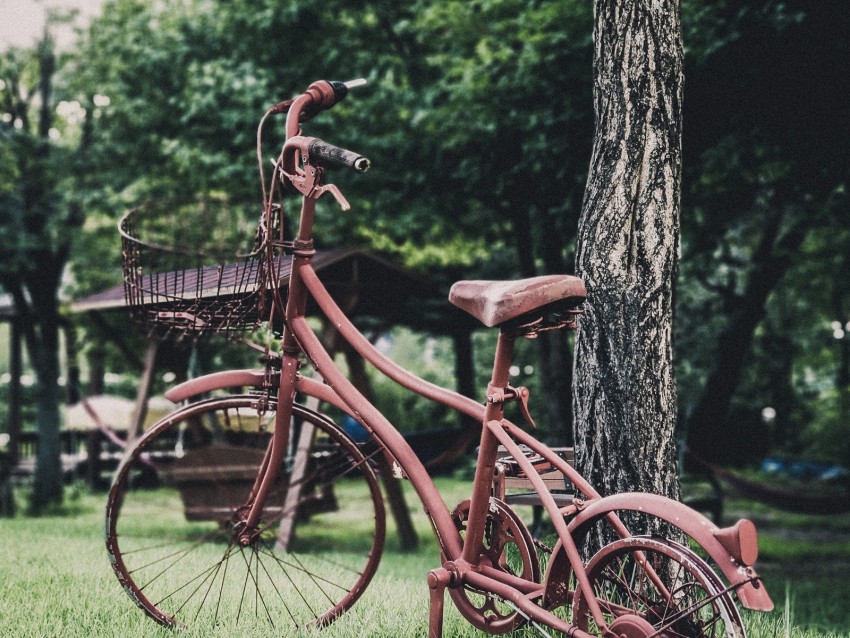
{"x":39,"y":213}
{"x":478,"y":164}
{"x":491,"y":119}
{"x":478,"y":119}
{"x":765,"y":233}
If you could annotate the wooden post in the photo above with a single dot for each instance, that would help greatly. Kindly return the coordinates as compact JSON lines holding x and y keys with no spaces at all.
{"x":408,"y":539}
{"x":13,"y":423}
{"x":286,"y":531}
{"x":93,"y":445}
{"x":15,"y":370}
{"x":144,"y":391}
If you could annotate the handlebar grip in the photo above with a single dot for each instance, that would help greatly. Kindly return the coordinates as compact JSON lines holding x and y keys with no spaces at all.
{"x":338,"y":156}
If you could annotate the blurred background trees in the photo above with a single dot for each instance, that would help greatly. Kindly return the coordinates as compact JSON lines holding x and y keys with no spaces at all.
{"x":40,"y":212}
{"x":478,"y":119}
{"x":765,"y":249}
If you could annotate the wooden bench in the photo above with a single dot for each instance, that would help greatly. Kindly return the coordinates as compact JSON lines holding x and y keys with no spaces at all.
{"x":705,"y":496}
{"x":214,"y":481}
{"x":515,"y":488}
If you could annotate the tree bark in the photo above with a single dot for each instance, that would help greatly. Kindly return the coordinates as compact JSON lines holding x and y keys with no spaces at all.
{"x":627,"y":252}
{"x":47,"y":481}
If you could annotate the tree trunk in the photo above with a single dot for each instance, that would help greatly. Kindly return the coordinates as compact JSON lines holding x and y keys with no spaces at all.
{"x":34,"y":286}
{"x":47,"y":482}
{"x":627,"y":252}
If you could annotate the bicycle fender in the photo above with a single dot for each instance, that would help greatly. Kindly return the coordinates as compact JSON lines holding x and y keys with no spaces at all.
{"x":714,"y":540}
{"x":215,"y":381}
{"x":241,"y":378}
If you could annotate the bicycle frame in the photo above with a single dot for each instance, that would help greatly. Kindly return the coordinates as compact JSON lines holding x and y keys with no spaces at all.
{"x":299,"y":338}
{"x":337,"y":390}
{"x":730,"y":548}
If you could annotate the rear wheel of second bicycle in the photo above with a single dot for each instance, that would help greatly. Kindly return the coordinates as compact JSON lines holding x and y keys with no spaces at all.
{"x":172,"y":520}
{"x":649,"y":586}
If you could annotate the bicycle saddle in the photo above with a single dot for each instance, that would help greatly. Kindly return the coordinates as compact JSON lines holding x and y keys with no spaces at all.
{"x":523,"y":301}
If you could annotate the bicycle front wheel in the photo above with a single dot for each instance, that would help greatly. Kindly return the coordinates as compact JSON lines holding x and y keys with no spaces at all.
{"x":175,"y":505}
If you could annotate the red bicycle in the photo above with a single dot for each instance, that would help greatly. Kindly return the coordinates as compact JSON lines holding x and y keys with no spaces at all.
{"x":257,"y":507}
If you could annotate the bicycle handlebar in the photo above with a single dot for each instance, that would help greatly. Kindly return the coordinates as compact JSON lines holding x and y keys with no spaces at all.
{"x":336,"y":155}
{"x":323,"y":99}
{"x":319,"y":96}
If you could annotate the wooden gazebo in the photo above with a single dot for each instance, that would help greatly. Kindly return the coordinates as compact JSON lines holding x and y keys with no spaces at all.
{"x":374,"y":291}
{"x":13,"y":414}
{"x":376,"y":294}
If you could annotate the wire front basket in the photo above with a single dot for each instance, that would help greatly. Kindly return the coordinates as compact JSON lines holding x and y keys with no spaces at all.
{"x":184,"y":271}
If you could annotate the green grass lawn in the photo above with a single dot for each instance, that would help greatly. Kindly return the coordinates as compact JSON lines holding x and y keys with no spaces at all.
{"x":56,"y":581}
{"x":805,"y":561}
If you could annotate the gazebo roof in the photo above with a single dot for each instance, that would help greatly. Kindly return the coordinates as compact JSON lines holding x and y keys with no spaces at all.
{"x":381,"y":292}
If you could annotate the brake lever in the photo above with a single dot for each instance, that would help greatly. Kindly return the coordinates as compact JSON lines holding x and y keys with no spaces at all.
{"x":308,"y":183}
{"x":337,"y":194}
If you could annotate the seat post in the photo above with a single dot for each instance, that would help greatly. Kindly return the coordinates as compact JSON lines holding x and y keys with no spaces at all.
{"x":501,"y":366}
{"x":495,"y":407}
{"x":482,"y":483}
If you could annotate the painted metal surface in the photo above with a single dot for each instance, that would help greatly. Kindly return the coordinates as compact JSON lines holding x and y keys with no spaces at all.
{"x":520,"y":308}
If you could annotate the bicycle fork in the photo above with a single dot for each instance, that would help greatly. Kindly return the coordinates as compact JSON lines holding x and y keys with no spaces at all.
{"x":296,"y":305}
{"x":249,"y":515}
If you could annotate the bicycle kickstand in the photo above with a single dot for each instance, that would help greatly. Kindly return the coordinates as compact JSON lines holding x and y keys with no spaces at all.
{"x":438,"y":580}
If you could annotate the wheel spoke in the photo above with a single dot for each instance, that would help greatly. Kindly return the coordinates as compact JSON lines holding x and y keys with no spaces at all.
{"x":661,"y":582}
{"x":277,"y":590}
{"x":209,"y":575}
{"x":172,"y":561}
{"x":192,"y":566}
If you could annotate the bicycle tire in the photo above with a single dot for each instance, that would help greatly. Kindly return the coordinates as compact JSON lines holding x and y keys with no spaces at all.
{"x":678,"y":596}
{"x":171,"y":509}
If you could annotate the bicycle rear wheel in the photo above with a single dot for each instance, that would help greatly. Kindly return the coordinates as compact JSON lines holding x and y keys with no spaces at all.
{"x":173,"y":510}
{"x":649,"y":586}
